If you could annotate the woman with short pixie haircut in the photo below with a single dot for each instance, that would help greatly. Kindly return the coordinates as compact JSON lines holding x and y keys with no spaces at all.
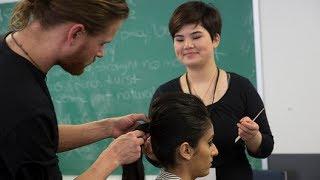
{"x":231,"y":99}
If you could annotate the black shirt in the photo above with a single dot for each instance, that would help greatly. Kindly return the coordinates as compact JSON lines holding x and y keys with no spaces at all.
{"x":28,"y":123}
{"x":241,"y":99}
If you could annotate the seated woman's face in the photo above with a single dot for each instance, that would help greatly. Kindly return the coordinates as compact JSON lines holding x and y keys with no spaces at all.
{"x":204,"y":154}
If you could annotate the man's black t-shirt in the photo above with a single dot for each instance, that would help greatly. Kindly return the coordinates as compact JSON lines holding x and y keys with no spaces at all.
{"x":28,"y":124}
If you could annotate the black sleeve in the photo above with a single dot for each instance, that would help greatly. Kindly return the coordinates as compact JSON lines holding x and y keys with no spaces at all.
{"x":27,"y":154}
{"x":172,"y":86}
{"x":160,"y":90}
{"x":254,"y":105}
{"x":157,"y":93}
{"x":4,"y":171}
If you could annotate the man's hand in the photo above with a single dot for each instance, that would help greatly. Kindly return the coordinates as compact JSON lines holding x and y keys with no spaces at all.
{"x":126,"y":148}
{"x":124,"y":124}
{"x":123,"y":150}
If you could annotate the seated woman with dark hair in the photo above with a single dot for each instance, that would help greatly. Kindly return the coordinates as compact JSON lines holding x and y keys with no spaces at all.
{"x":181,"y":136}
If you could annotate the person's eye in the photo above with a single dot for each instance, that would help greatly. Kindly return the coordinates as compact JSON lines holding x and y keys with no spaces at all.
{"x":104,"y":44}
{"x":179,"y":39}
{"x":197,"y":37}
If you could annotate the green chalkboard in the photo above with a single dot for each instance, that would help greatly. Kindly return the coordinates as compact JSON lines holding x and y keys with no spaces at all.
{"x":140,"y":58}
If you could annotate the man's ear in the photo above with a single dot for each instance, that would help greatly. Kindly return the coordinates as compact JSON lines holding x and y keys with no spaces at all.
{"x":186,"y":151}
{"x":75,"y":33}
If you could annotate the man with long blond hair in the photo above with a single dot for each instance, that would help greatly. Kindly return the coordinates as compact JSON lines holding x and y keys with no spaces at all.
{"x":70,"y":34}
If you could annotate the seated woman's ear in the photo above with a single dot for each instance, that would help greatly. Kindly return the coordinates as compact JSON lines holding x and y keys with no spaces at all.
{"x":185,"y":151}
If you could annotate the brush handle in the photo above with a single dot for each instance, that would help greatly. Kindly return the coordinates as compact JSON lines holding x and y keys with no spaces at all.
{"x":254,"y":119}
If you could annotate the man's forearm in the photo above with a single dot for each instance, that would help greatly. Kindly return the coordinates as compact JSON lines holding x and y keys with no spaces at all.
{"x":74,"y":136}
{"x":100,"y":169}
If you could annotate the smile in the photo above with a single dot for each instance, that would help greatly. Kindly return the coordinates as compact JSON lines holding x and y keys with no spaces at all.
{"x":189,"y":53}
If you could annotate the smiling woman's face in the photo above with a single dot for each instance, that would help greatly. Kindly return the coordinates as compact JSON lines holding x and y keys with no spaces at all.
{"x":193,"y":45}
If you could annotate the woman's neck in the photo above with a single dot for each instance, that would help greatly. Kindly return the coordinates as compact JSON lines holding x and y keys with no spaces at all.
{"x":203,"y":73}
{"x":181,"y":172}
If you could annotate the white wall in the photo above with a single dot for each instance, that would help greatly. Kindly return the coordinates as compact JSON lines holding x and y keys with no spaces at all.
{"x":290,"y":44}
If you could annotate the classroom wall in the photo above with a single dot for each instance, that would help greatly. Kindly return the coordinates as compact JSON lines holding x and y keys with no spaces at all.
{"x":289,"y":31}
{"x":290,"y":44}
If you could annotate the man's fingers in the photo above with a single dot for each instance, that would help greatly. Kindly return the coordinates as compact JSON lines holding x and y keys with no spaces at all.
{"x":139,"y":117}
{"x":138,"y":133}
{"x":140,"y":141}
